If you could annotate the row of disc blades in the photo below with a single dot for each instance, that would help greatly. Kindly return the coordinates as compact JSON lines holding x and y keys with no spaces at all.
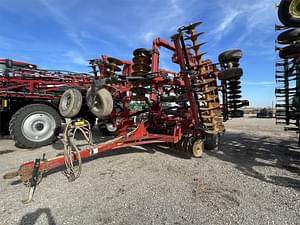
{"x":287,"y":75}
{"x":111,"y":66}
{"x":189,"y":146}
{"x":141,"y":62}
{"x":231,"y":75}
{"x":205,"y":86}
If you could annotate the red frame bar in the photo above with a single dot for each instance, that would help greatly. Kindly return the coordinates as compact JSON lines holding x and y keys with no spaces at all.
{"x":139,"y":137}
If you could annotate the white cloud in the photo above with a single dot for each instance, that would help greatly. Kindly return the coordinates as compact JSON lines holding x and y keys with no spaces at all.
{"x":176,"y":8}
{"x":76,"y":58}
{"x":148,"y":36}
{"x":164,"y":20}
{"x":251,"y":16}
{"x":259,"y":16}
{"x":226,"y":24}
{"x":65,"y":22}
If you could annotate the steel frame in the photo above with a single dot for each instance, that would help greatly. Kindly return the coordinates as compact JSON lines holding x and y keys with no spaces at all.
{"x":39,"y":84}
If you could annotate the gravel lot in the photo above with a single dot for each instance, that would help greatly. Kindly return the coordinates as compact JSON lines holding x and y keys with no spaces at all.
{"x":254,"y":178}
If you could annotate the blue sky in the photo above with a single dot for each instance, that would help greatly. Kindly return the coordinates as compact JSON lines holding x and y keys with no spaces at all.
{"x":64,"y":34}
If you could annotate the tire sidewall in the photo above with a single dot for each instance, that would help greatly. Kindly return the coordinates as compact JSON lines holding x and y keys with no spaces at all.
{"x":284,"y":15}
{"x":17,"y":121}
{"x":73,"y":108}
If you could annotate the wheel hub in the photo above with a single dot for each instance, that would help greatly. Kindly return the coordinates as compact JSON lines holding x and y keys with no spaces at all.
{"x":294,"y":8}
{"x":39,"y":126}
{"x":110,"y":127}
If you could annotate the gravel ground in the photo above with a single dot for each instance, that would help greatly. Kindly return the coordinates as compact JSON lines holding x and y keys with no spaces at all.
{"x":254,"y":178}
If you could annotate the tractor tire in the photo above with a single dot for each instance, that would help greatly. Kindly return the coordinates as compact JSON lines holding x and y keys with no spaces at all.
{"x":35,"y":125}
{"x":4,"y":123}
{"x":70,"y":103}
{"x":290,"y":52}
{"x":230,"y":55}
{"x":103,"y":103}
{"x":229,"y":74}
{"x":211,"y":141}
{"x":289,"y":36}
{"x":289,"y":13}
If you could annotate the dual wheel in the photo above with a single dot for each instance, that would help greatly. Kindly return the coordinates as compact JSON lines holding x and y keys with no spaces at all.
{"x":231,"y":59}
{"x":195,"y":146}
{"x":100,"y":103}
{"x":37,"y":125}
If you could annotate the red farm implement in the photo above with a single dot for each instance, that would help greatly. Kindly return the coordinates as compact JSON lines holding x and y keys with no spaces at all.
{"x":181,"y":109}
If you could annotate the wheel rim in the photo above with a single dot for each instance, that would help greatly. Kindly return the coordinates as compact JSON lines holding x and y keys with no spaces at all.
{"x":294,"y":9}
{"x":38,"y":126}
{"x":198,"y":147}
{"x":110,"y":127}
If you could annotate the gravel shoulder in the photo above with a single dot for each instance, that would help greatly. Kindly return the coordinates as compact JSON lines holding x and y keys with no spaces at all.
{"x":253,"y":178}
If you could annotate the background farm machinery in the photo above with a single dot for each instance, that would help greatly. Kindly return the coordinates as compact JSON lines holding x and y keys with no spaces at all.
{"x":29,"y":101}
{"x":288,"y":66}
{"x":182,"y":109}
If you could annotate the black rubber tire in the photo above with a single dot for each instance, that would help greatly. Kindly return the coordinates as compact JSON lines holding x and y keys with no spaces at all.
{"x":70,"y":103}
{"x":289,"y":36}
{"x":229,"y":74}
{"x":290,"y":52}
{"x":284,"y":15}
{"x":104,"y":103}
{"x":16,"y":122}
{"x":211,"y":141}
{"x":4,"y":123}
{"x":230,"y":55}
